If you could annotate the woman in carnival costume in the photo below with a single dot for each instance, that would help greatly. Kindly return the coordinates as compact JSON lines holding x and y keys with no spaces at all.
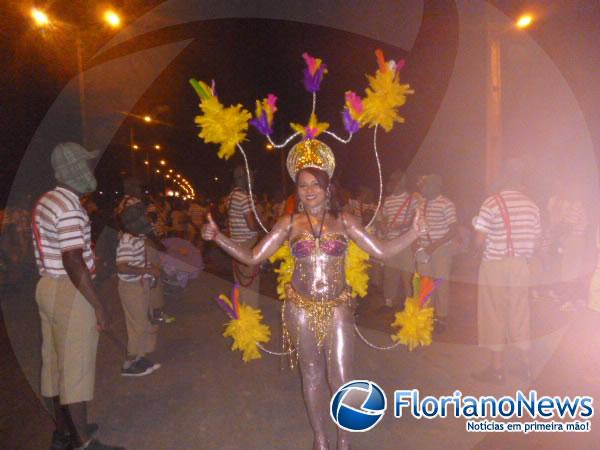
{"x":318,"y":311}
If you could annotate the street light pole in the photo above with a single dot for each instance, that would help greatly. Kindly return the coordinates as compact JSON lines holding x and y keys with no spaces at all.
{"x":494,"y":151}
{"x":81,"y":83}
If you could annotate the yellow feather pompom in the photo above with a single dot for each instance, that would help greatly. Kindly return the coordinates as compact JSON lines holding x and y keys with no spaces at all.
{"x":357,"y":266}
{"x":384,"y":96}
{"x":286,"y":268}
{"x":247,"y":331}
{"x":221,"y":125}
{"x":416,"y":324}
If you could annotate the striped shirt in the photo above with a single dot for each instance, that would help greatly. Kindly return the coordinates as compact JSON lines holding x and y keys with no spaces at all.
{"x":60,"y":224}
{"x":131,"y":250}
{"x":398,"y":212}
{"x":525,"y":228}
{"x":440,"y":214}
{"x":239,"y":206}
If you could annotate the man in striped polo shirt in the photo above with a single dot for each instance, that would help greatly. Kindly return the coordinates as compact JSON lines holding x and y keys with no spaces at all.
{"x":243,"y":229}
{"x":138,"y":284}
{"x":435,"y":251}
{"x":70,"y":311}
{"x":397,"y":216}
{"x":508,"y":229}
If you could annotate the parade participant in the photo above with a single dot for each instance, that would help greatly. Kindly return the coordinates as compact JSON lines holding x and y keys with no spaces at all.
{"x":318,"y":314}
{"x":508,"y":229}
{"x":132,"y":194}
{"x":397,"y":215}
{"x":138,"y":283}
{"x":70,"y":311}
{"x":568,"y":224}
{"x":243,"y":230}
{"x":435,"y":250}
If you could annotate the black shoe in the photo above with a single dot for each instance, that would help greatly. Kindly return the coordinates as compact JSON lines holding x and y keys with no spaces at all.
{"x":489,"y":375}
{"x":61,"y":441}
{"x":65,"y":441}
{"x":136,"y":370}
{"x":145,"y":362}
{"x":97,"y":445}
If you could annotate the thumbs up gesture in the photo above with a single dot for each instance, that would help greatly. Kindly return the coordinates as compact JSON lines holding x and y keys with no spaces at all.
{"x":209,"y":229}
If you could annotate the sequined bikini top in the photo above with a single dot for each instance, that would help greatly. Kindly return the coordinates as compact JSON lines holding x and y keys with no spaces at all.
{"x":332,"y":244}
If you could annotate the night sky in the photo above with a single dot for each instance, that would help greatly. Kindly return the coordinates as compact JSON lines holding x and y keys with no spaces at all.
{"x":249,"y":58}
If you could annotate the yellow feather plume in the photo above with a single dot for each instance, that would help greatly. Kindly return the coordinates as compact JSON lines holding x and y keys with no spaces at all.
{"x":286,"y":268}
{"x":247,"y":331}
{"x":415,"y":322}
{"x":313,"y":129}
{"x":384,"y":96}
{"x":221,"y":125}
{"x":357,"y":276}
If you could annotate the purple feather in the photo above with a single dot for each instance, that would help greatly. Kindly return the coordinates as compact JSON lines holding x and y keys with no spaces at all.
{"x":312,"y":83}
{"x":262,"y":124}
{"x":350,"y":124}
{"x":225,"y":307}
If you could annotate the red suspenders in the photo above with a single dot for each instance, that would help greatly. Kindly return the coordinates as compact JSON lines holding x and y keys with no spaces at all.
{"x":506,"y":218}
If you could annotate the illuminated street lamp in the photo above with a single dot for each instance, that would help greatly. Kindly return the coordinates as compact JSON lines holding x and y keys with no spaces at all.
{"x":524,"y":21}
{"x":112,"y":18}
{"x":157,"y":170}
{"x":135,"y":147}
{"x":146,"y":162}
{"x":147,"y":119}
{"x":40,"y":18}
{"x":157,"y":147}
{"x":162,"y":162}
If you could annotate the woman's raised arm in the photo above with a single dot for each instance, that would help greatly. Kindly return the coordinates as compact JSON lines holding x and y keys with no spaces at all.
{"x":374,"y":246}
{"x":249,"y":256}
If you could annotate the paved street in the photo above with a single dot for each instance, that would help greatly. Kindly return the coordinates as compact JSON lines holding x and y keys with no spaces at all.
{"x":205,"y":397}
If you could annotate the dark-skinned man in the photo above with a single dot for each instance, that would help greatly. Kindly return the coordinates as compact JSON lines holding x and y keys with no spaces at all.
{"x":71,"y":313}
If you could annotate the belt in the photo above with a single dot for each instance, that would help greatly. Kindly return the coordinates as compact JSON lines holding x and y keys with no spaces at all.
{"x":319,"y":313}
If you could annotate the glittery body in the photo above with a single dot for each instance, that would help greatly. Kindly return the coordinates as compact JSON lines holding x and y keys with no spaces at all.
{"x":318,"y":320}
{"x":319,"y":266}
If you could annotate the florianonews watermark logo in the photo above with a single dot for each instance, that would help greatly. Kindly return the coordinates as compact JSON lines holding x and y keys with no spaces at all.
{"x":358,"y":405}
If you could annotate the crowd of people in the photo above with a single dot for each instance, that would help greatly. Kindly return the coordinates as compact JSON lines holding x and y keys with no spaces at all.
{"x":526,"y":252}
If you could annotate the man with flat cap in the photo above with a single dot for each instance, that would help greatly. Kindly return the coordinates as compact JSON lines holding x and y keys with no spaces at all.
{"x":71,"y":312}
